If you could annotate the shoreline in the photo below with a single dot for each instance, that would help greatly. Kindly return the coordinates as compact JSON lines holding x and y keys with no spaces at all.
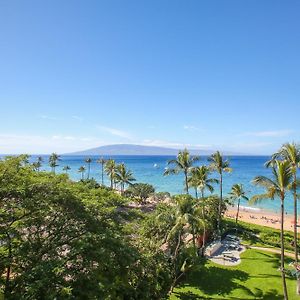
{"x":261,"y":217}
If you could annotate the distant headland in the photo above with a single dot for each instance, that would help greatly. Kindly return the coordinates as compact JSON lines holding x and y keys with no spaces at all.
{"x":131,"y":149}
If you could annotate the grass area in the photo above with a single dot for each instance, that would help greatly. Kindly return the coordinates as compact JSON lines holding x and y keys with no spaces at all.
{"x":257,"y":277}
{"x":261,"y":236}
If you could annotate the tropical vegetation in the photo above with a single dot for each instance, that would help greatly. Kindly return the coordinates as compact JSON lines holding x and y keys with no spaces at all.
{"x":236,"y":194}
{"x":277,"y":187}
{"x":62,"y":239}
{"x":183,"y":163}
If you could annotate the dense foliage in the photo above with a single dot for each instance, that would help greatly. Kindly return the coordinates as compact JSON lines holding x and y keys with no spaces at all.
{"x":140,"y":191}
{"x":61,"y":239}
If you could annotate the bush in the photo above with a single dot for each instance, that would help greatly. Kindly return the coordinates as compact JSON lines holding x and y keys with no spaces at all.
{"x":140,"y":191}
{"x":161,"y":196}
{"x":91,"y":183}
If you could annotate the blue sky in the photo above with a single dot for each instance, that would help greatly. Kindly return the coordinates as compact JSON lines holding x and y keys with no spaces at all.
{"x":202,"y":74}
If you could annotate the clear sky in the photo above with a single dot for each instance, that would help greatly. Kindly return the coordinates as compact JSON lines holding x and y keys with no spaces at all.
{"x":208,"y":74}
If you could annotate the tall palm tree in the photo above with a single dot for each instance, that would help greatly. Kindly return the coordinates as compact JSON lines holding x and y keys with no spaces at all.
{"x":199,"y":178}
{"x":110,"y":169}
{"x":39,"y":163}
{"x":123,"y":176}
{"x":219,"y":165}
{"x":291,"y":153}
{"x":36,"y":165}
{"x":187,"y":219}
{"x":82,"y":171}
{"x":53,"y":159}
{"x":66,"y":169}
{"x":102,"y":161}
{"x":277,"y":187}
{"x":237,"y":193}
{"x":183,"y":163}
{"x":88,"y":161}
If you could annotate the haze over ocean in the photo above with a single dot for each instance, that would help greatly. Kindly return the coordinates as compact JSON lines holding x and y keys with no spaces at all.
{"x":245,"y":168}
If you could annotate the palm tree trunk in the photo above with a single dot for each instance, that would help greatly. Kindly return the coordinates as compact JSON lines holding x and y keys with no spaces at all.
{"x":175,"y":282}
{"x":282,"y":249}
{"x":196,"y":192}
{"x":186,"y":182}
{"x":175,"y":255}
{"x":220,"y":202}
{"x":237,"y":212}
{"x":204,"y":227}
{"x":102,"y":179}
{"x":174,"y":262}
{"x":295,"y":216}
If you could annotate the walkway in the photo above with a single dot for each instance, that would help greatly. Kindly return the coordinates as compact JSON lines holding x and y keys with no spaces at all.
{"x":272,"y":250}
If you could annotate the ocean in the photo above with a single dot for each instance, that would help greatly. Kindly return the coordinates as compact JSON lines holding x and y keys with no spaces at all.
{"x":149,"y":169}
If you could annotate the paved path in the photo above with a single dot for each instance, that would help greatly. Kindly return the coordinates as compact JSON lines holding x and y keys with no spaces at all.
{"x":273,"y":250}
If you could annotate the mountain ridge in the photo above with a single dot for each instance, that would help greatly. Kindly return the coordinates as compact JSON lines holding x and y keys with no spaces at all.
{"x":134,"y":149}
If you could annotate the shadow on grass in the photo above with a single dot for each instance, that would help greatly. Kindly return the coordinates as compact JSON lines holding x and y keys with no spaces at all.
{"x":257,"y":294}
{"x":214,"y":280}
{"x":217,"y":283}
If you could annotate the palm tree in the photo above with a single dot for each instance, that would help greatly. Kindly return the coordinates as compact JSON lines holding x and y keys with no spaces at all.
{"x":82,"y":171}
{"x":186,"y":218}
{"x":218,"y":164}
{"x":102,"y":161}
{"x":39,"y":163}
{"x":36,"y":165}
{"x":282,"y":179}
{"x":199,"y":179}
{"x":291,"y":153}
{"x":237,"y":193}
{"x":193,"y":180}
{"x":110,"y":169}
{"x":53,"y":159}
{"x":183,"y":163}
{"x":88,"y":161}
{"x":123,"y":176}
{"x":66,"y":169}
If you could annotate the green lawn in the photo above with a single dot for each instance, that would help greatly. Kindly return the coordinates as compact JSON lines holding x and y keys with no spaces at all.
{"x":257,"y":277}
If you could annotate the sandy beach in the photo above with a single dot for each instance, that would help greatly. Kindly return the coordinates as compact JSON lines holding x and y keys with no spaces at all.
{"x":261,"y":217}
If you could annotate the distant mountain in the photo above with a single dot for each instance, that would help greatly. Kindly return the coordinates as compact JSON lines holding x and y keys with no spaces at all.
{"x":129,"y":149}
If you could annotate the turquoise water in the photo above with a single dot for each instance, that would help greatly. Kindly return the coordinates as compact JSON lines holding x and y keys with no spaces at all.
{"x":150,"y":169}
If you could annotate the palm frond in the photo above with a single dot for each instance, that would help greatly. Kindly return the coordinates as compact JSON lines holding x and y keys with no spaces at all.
{"x":258,"y":198}
{"x":263,"y":181}
{"x":210,"y":188}
{"x":170,"y":171}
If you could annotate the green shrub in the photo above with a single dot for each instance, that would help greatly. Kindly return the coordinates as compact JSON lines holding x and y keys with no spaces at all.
{"x":259,"y":235}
